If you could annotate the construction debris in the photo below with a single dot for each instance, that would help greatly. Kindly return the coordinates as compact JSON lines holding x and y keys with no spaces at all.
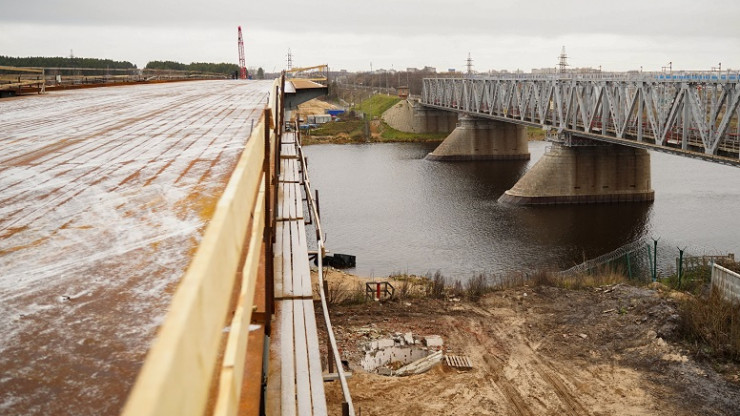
{"x":420,"y":366}
{"x":433,"y":341}
{"x":458,"y":361}
{"x":388,"y":356}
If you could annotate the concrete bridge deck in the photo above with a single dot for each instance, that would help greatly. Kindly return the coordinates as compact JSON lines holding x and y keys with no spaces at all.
{"x":104,"y":194}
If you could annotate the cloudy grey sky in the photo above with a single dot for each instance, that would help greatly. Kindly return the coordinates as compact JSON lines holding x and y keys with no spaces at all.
{"x":616,"y":34}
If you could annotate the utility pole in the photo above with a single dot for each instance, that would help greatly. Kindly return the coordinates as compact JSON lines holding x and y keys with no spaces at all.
{"x":386,"y":83}
{"x":562,"y":61}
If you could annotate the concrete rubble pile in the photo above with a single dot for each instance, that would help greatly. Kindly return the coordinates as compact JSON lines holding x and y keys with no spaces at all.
{"x":402,"y":354}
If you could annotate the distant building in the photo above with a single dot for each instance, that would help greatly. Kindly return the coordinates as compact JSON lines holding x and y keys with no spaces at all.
{"x":403,"y":92}
{"x":412,"y":69}
{"x":553,"y":70}
{"x":430,"y":69}
{"x":544,"y":70}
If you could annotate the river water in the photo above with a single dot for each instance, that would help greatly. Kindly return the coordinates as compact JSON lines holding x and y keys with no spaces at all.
{"x":398,"y":212}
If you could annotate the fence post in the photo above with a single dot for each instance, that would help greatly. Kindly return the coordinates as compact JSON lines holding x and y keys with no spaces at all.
{"x":680,"y":266}
{"x":329,"y":354}
{"x":655,"y":259}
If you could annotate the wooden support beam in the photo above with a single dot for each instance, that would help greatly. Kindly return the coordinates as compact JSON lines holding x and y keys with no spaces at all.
{"x":230,"y":384}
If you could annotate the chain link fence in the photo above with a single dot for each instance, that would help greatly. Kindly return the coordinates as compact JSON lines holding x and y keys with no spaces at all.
{"x":634,"y":260}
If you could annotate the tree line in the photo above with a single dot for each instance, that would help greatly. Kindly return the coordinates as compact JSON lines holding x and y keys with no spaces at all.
{"x":222,"y":68}
{"x":95,"y":63}
{"x":61,"y":62}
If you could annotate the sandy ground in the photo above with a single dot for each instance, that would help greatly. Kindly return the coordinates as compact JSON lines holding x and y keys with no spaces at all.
{"x":104,"y":194}
{"x":313,"y":107}
{"x":610,"y":350}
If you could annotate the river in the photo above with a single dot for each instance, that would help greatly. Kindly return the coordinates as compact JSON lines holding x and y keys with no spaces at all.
{"x":400,"y":213}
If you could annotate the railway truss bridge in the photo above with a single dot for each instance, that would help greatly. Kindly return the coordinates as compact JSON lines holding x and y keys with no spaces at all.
{"x":601,"y":126}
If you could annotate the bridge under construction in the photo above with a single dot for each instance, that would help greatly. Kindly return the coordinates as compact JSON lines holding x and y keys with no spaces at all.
{"x":154,"y":251}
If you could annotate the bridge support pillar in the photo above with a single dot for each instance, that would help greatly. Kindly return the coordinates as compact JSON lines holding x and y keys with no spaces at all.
{"x":429,"y":120}
{"x":481,"y":139}
{"x":585,"y":174}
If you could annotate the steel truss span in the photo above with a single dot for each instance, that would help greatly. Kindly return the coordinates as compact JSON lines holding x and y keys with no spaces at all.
{"x":691,"y":114}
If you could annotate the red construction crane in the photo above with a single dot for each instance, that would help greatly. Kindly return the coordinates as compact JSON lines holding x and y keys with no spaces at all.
{"x":242,"y":64}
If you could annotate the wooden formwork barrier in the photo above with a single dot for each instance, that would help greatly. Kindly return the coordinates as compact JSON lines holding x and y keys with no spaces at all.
{"x":15,"y":78}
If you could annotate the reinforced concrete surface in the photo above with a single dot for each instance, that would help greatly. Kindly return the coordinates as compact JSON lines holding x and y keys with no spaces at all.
{"x":585,"y":174}
{"x":481,"y":139}
{"x":104,"y":195}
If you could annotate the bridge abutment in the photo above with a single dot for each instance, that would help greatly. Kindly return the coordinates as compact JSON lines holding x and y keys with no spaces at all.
{"x":482,"y":139}
{"x":585,"y":174}
{"x":429,"y":120}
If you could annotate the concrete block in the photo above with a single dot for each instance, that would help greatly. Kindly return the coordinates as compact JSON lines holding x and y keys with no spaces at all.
{"x":433,"y":341}
{"x":385,"y":343}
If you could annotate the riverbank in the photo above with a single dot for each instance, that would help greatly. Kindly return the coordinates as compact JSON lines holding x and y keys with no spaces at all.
{"x":361,"y":131}
{"x":378,"y":119}
{"x":605,"y":348}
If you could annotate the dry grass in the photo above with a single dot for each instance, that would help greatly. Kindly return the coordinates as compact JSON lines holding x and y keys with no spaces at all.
{"x":572,"y":282}
{"x":477,"y":287}
{"x":580,"y":282}
{"x":436,"y":286}
{"x":404,"y":288}
{"x":712,"y":324}
{"x":344,"y":293}
{"x":409,"y":286}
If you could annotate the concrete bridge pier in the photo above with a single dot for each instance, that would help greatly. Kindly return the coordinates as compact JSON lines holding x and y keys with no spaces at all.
{"x":482,"y":139}
{"x":585,"y":174}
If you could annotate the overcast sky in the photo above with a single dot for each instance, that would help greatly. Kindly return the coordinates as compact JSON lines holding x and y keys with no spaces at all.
{"x":616,"y":35}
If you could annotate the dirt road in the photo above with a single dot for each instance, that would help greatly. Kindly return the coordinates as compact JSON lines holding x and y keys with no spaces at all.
{"x":104,"y":194}
{"x":539,"y":351}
